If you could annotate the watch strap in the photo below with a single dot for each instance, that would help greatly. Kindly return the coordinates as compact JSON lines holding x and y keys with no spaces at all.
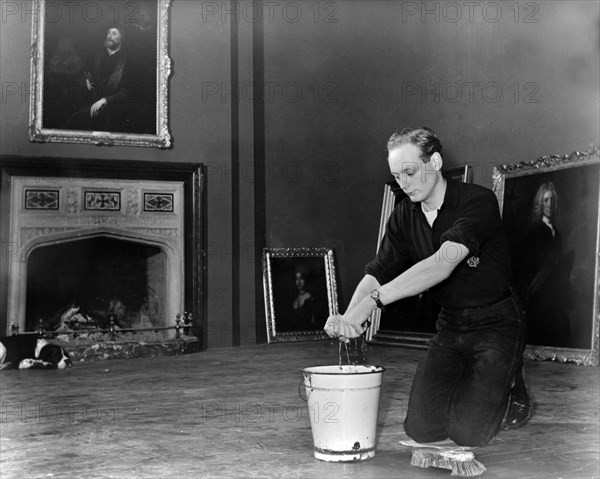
{"x":375,"y":297}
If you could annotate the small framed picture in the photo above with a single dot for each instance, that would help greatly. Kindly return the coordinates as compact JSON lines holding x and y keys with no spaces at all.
{"x":100,"y":73}
{"x":550,"y":208}
{"x":300,"y":293}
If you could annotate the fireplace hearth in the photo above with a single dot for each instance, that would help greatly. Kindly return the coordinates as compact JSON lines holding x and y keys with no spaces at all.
{"x":97,"y":244}
{"x":103,"y":249}
{"x":103,"y":278}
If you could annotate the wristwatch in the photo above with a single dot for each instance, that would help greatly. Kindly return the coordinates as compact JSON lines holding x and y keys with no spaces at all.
{"x":375,"y":297}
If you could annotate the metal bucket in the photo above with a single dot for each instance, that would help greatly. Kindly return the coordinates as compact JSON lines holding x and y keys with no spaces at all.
{"x":343,"y":404}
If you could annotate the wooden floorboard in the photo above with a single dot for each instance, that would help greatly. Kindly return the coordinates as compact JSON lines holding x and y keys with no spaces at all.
{"x":237,"y":413}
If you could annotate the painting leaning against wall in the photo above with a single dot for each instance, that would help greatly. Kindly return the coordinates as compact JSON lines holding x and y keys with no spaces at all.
{"x":550,"y":210}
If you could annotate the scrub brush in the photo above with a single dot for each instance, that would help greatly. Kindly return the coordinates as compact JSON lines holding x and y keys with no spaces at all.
{"x":462,"y":463}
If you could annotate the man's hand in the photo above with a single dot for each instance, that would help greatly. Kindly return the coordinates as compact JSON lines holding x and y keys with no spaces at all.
{"x":338,"y":327}
{"x":96,"y":107}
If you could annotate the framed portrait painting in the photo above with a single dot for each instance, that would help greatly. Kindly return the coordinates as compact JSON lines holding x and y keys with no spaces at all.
{"x":411,"y":321}
{"x":460,"y":173}
{"x":100,"y":72}
{"x":300,"y":293}
{"x":550,"y":210}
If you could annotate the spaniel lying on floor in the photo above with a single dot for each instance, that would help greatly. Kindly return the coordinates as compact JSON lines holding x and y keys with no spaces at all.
{"x":27,"y":351}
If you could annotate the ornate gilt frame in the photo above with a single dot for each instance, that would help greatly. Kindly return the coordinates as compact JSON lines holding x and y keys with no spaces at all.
{"x":275,"y":274}
{"x":550,"y":164}
{"x":39,"y":133}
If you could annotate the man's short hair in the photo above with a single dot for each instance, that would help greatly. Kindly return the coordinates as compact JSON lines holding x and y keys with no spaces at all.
{"x":423,"y":137}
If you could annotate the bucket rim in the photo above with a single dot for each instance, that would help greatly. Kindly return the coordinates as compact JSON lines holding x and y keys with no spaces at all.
{"x":379,"y":369}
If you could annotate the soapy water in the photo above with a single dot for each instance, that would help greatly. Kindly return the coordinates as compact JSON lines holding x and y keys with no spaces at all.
{"x":355,"y":351}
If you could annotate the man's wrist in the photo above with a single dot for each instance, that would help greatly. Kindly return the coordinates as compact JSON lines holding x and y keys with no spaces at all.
{"x":357,"y":315}
{"x":375,"y":296}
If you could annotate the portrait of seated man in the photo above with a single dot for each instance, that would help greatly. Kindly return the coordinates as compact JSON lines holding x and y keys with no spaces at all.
{"x":110,"y":88}
{"x":101,"y":78}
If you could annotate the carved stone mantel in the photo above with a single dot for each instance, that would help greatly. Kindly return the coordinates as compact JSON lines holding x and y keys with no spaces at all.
{"x":48,"y":211}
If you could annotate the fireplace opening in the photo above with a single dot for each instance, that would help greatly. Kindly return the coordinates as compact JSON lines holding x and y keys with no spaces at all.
{"x":96,"y":283}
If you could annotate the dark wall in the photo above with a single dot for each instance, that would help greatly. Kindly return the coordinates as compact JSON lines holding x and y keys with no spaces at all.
{"x":305,"y":165}
{"x":498,"y":86}
{"x":200,"y":49}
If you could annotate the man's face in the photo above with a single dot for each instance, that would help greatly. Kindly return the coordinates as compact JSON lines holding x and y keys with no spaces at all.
{"x":416,"y":178}
{"x":113,"y":39}
{"x":548,"y":204}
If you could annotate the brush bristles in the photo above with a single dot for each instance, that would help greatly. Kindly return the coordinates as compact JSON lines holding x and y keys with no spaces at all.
{"x":461,"y":463}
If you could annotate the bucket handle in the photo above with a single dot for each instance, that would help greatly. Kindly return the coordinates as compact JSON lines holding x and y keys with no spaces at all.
{"x":300,"y":390}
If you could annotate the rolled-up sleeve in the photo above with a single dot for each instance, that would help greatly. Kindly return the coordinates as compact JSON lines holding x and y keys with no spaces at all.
{"x":393,"y":256}
{"x":479,"y":217}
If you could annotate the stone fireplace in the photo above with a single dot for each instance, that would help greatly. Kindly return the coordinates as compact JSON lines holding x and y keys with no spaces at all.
{"x":111,"y":248}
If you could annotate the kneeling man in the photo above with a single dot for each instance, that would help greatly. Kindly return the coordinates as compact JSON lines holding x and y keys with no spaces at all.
{"x":446,"y":237}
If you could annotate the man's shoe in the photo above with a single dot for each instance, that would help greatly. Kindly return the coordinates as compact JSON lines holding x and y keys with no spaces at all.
{"x":519,"y":412}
